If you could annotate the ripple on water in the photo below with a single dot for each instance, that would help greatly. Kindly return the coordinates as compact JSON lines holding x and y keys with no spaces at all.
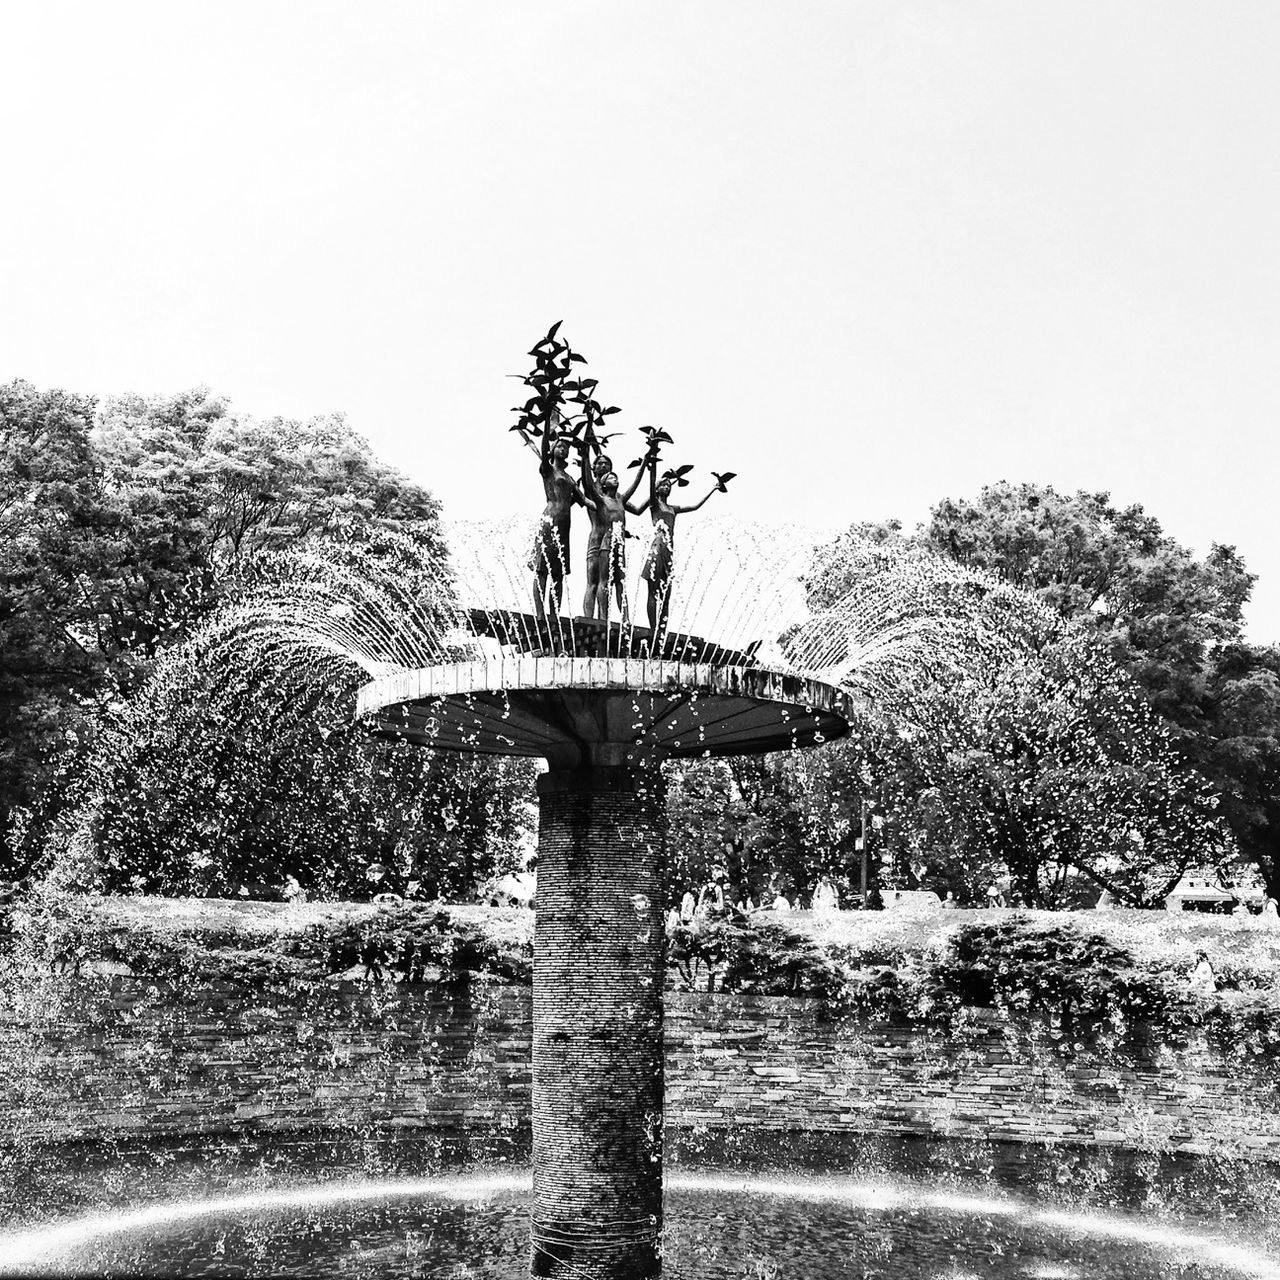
{"x":717,"y":1226}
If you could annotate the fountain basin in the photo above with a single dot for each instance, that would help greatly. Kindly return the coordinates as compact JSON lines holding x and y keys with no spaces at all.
{"x":718,"y":1225}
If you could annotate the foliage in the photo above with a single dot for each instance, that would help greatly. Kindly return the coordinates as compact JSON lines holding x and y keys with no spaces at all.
{"x":1064,"y":974}
{"x":1245,"y":951}
{"x":412,"y":937}
{"x":59,"y":932}
{"x":787,"y":818}
{"x":1172,"y":620}
{"x":756,"y":954}
{"x":1119,"y":977}
{"x":55,"y":930}
{"x":127,"y":762}
{"x":1070,"y":982}
{"x":1000,"y":743}
{"x":1088,"y":559}
{"x":51,"y":522}
{"x":209,"y":790}
{"x":1242,"y":755}
{"x":198,"y":494}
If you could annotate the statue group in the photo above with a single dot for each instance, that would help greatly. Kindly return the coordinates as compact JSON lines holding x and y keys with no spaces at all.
{"x":599,"y":490}
{"x":562,"y":415}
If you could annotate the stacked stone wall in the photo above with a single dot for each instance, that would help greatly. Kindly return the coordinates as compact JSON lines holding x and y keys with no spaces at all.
{"x":125,"y":1056}
{"x":770,"y":1063}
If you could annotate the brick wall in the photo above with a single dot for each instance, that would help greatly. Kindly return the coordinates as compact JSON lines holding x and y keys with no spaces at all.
{"x":125,"y":1056}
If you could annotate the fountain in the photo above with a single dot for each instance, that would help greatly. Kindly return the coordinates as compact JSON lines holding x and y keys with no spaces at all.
{"x":604,"y":703}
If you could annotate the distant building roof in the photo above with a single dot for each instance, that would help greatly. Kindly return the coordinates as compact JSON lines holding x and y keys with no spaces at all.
{"x":911,"y":900}
{"x":1201,"y":888}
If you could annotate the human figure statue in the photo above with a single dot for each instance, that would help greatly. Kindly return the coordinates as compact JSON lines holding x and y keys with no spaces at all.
{"x":657,"y":565}
{"x":550,"y":560}
{"x":606,"y":555}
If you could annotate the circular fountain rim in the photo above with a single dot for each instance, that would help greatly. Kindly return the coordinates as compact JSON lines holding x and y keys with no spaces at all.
{"x":570,"y":709}
{"x":25,"y":1246}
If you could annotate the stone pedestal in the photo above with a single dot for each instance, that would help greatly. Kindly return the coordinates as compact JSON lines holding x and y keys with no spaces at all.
{"x":597,"y":1025}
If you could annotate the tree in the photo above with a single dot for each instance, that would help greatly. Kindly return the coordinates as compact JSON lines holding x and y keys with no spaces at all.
{"x":228,"y":773}
{"x":51,"y":526}
{"x":129,"y":529}
{"x":1172,"y":620}
{"x":999,"y":738}
{"x":238,"y":760}
{"x":1047,"y":768}
{"x":1242,"y":698}
{"x":198,"y":496}
{"x":790,"y":814}
{"x":1161,"y":611}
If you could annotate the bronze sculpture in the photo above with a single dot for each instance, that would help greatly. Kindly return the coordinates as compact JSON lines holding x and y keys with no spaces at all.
{"x":556,"y":384}
{"x":606,"y":545}
{"x":550,"y":560}
{"x":658,"y":563}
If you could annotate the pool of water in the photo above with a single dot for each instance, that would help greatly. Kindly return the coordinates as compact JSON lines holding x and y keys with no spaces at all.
{"x":719,"y":1224}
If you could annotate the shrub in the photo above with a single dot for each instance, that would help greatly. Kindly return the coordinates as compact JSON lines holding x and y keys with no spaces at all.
{"x":765,"y":956}
{"x":58,"y":932}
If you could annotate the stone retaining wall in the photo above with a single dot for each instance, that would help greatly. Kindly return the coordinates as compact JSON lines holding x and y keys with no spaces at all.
{"x":770,"y":1063}
{"x":123,"y":1056}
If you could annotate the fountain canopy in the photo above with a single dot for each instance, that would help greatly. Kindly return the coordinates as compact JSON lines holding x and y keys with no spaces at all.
{"x":581,"y":691}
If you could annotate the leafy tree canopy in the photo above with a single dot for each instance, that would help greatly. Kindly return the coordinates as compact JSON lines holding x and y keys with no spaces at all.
{"x":1162,"y":611}
{"x":124,"y":527}
{"x":1170,"y":619}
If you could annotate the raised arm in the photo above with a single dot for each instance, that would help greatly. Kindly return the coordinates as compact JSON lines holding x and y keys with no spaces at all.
{"x":544,"y":451}
{"x":696,"y":505}
{"x":638,"y":508}
{"x":589,"y":487}
{"x":649,"y":463}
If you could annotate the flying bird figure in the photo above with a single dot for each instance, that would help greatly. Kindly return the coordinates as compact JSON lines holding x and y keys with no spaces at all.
{"x":722,"y":479}
{"x":655,"y":436}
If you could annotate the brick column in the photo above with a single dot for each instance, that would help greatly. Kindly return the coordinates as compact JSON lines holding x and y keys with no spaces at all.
{"x":597,"y":1025}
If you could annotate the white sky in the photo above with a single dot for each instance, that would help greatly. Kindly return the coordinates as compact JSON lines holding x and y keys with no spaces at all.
{"x":866,"y":255}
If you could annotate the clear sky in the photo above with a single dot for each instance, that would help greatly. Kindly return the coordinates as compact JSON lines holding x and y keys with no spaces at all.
{"x":866,"y":255}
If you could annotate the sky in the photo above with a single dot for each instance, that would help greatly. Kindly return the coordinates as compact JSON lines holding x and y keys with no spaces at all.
{"x":865,"y":255}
